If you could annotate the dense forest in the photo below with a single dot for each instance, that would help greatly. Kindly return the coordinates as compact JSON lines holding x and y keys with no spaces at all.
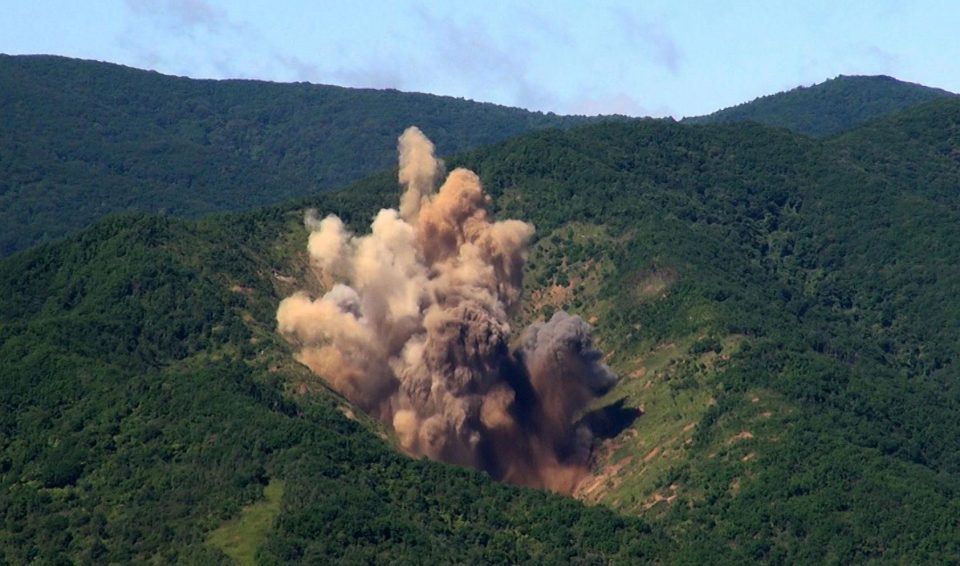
{"x":830,"y":107}
{"x":781,"y":309}
{"x":83,"y":139}
{"x":143,"y":405}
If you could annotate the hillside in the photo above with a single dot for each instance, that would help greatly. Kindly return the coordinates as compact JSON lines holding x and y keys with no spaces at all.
{"x":782,"y":311}
{"x":83,"y":139}
{"x":828,"y":108}
{"x":143,"y":408}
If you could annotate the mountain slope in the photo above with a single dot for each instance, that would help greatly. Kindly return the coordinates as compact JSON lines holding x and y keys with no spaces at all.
{"x":781,"y":310}
{"x":828,"y":108}
{"x":82,"y":139}
{"x":142,"y":405}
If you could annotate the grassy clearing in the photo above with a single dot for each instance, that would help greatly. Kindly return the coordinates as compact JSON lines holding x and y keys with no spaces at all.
{"x":670,"y":385}
{"x":565,"y":271}
{"x":240,"y":538}
{"x":641,"y":457}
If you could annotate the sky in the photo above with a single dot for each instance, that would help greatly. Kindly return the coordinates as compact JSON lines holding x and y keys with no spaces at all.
{"x":641,"y":58}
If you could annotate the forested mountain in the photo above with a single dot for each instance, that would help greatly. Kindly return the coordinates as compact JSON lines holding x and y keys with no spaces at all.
{"x":82,"y":139}
{"x":782,"y":311}
{"x":828,"y":108}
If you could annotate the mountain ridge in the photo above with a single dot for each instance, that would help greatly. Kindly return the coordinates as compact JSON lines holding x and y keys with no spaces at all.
{"x":831,"y":107}
{"x":81,"y":139}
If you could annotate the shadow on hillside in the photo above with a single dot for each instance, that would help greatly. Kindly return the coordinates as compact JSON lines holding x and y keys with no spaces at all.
{"x":610,"y":421}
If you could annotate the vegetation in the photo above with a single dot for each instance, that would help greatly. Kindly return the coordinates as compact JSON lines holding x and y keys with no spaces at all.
{"x":141,"y":417}
{"x":781,"y":308}
{"x":242,"y":538}
{"x":82,"y":139}
{"x":831,"y":107}
{"x":822,"y":270}
{"x":823,"y":273}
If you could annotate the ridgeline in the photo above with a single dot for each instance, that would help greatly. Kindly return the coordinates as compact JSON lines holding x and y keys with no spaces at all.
{"x":828,"y":108}
{"x":82,"y":139}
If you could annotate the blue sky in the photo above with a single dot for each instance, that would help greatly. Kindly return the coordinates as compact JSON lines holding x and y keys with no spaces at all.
{"x":640,"y":58}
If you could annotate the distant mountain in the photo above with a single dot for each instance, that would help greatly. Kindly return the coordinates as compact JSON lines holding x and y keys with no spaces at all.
{"x":782,"y":310}
{"x":833,"y":106}
{"x":82,"y":139}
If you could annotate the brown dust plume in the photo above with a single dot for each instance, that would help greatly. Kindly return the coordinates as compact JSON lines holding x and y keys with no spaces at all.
{"x":415,"y":330}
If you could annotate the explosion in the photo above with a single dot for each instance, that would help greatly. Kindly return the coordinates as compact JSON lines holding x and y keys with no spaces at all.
{"x":415,"y":330}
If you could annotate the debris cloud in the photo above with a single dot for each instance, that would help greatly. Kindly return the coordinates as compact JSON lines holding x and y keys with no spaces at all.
{"x":415,"y":329}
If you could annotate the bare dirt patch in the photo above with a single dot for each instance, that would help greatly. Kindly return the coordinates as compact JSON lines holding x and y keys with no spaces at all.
{"x":660,"y":498}
{"x":588,"y":488}
{"x":654,"y":282}
{"x":241,"y":290}
{"x":742,"y":435}
{"x":555,"y":296}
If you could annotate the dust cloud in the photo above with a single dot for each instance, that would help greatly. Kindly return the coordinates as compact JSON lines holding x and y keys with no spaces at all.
{"x":415,"y":329}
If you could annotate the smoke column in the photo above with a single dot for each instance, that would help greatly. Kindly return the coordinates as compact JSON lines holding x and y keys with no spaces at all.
{"x":415,"y":330}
